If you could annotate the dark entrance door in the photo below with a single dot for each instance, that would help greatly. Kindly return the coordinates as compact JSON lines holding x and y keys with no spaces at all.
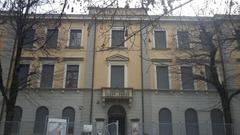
{"x":117,"y":113}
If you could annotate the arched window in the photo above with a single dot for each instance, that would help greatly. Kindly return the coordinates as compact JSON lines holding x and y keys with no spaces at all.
{"x":191,"y":122}
{"x":165,"y":122}
{"x":16,"y":119}
{"x":40,"y":120}
{"x":217,"y":122}
{"x":69,"y":114}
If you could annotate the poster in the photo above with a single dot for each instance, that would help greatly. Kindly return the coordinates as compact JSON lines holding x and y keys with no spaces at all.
{"x":135,"y":128}
{"x":56,"y":126}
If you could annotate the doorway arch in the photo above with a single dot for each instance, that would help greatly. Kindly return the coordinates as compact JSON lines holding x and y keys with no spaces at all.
{"x":118,"y":113}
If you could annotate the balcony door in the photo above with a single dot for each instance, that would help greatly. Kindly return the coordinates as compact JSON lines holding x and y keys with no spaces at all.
{"x":117,"y":113}
{"x":117,"y":76}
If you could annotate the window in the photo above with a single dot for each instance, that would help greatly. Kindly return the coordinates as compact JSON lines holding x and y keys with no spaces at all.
{"x":75,"y":38}
{"x":52,"y":38}
{"x":191,"y":121}
{"x":160,"y":39}
{"x":72,"y":76}
{"x":238,"y":37}
{"x":117,"y":38}
{"x":206,"y":39}
{"x":23,"y":75}
{"x":183,"y":39}
{"x":117,"y":76}
{"x":16,"y":119}
{"x":217,"y":122}
{"x":162,"y":77}
{"x":29,"y":38}
{"x":187,"y":78}
{"x":209,"y":76}
{"x":40,"y":120}
{"x":69,"y":114}
{"x":47,"y":76}
{"x":165,"y":122}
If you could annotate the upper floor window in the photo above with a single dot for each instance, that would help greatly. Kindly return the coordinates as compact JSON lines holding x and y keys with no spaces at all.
{"x":206,"y":39}
{"x":72,"y":76}
{"x":117,"y":39}
{"x":51,"y":38}
{"x":187,"y":78}
{"x":183,"y":39}
{"x":160,"y":40}
{"x":162,"y":77}
{"x":238,"y":36}
{"x":117,"y":76}
{"x":208,"y":75}
{"x":29,"y":38}
{"x":75,"y":38}
{"x":47,"y":76}
{"x":23,"y":75}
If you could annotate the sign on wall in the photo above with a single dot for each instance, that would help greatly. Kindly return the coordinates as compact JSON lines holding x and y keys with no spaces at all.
{"x":56,"y":126}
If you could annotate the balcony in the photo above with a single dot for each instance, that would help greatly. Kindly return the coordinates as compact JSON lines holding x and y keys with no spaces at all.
{"x":117,"y":94}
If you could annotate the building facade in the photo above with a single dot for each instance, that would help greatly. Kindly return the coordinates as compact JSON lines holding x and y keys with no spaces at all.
{"x":122,"y":65}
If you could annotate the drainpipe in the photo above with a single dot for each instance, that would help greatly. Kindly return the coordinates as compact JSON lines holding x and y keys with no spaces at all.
{"x":94,"y":42}
{"x":142,"y":90}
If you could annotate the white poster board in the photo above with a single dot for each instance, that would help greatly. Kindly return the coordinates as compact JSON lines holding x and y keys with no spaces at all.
{"x":56,"y":126}
{"x":87,"y":128}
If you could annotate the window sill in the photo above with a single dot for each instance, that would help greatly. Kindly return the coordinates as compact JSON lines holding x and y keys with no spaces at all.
{"x":161,"y":49}
{"x":81,"y":47}
{"x":120,"y":48}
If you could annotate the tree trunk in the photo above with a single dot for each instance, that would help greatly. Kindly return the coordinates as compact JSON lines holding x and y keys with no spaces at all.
{"x":8,"y":118}
{"x":227,"y":116}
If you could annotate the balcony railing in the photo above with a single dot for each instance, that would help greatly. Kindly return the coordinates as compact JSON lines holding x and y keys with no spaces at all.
{"x":109,"y":94}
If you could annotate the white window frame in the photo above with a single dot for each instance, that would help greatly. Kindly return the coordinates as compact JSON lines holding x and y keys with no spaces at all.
{"x":110,"y":64}
{"x":193,"y":71}
{"x":117,"y":28}
{"x":154,"y":46}
{"x":169,"y":75}
{"x":45,"y":38}
{"x":65,"y":73}
{"x":40,"y":70}
{"x":69,"y":34}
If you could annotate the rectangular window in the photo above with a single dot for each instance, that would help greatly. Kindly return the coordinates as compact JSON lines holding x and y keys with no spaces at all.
{"x":238,"y":37}
{"x":117,"y":38}
{"x":206,"y":39}
{"x":183,"y":39}
{"x":117,"y":76}
{"x":72,"y":76}
{"x":160,"y":39}
{"x":23,"y":75}
{"x":75,"y":38}
{"x":47,"y":76}
{"x":187,"y":78}
{"x":162,"y":77}
{"x":209,"y":76}
{"x":52,"y":38}
{"x":29,"y":38}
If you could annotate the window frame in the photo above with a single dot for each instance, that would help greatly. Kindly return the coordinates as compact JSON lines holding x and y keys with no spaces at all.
{"x":45,"y":38}
{"x":194,"y":81}
{"x":189,"y":38}
{"x":166,"y":37}
{"x":169,"y":76}
{"x":69,"y":38}
{"x":65,"y":74}
{"x":40,"y":78}
{"x":118,"y":28}
{"x":124,"y":64}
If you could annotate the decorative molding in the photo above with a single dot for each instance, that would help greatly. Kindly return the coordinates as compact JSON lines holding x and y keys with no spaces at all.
{"x":117,"y":57}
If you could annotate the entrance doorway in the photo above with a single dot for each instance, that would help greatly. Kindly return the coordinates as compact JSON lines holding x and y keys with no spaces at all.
{"x":118,"y":113}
